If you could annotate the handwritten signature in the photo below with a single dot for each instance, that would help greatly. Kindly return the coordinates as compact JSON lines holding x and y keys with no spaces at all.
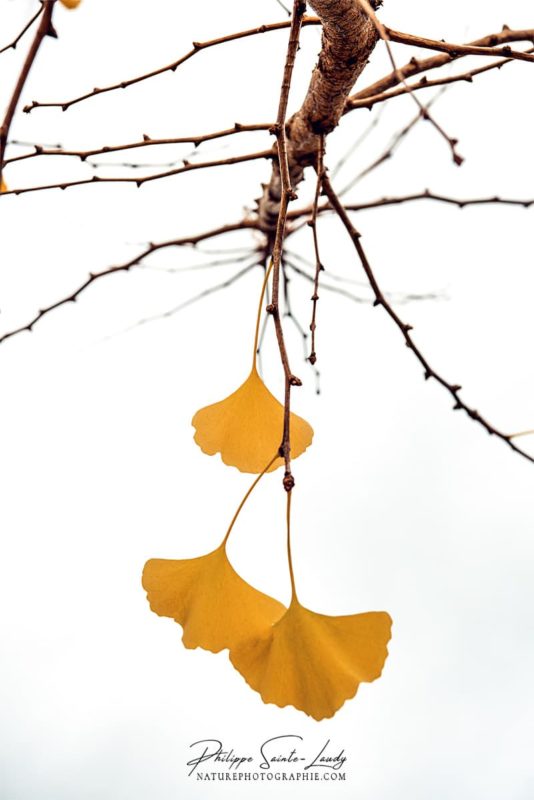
{"x":273,"y":752}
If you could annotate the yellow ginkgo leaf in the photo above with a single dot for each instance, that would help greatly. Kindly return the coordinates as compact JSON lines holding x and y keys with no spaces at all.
{"x":214,"y":605}
{"x":246,"y":427}
{"x":3,"y":187}
{"x":312,"y":661}
{"x":71,"y":3}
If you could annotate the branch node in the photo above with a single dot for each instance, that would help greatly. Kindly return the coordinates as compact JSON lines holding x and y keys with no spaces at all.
{"x":289,"y":481}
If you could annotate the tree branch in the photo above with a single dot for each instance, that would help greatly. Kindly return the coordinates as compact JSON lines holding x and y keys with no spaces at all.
{"x":134,"y":262}
{"x":380,"y":300}
{"x":297,"y":213}
{"x":147,"y":141}
{"x":45,"y":28}
{"x":455,"y":50}
{"x":140,"y":180}
{"x":416,"y":66}
{"x":13,"y":45}
{"x":197,"y":48}
{"x":348,"y":40}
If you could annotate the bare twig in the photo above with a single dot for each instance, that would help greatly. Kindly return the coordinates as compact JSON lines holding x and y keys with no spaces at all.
{"x":425,"y":83}
{"x":385,"y":35}
{"x":456,"y":50}
{"x":197,"y":48}
{"x":521,"y":433}
{"x":417,"y":66}
{"x":387,"y":154}
{"x":380,"y":300}
{"x":335,"y":289}
{"x":357,"y":142}
{"x":134,"y":262}
{"x":146,"y":141}
{"x":218,"y":262}
{"x":194,"y":299}
{"x":291,"y":316}
{"x":13,"y":45}
{"x":297,"y":213}
{"x":287,"y":194}
{"x":400,"y":298}
{"x":318,"y":265}
{"x":140,"y":180}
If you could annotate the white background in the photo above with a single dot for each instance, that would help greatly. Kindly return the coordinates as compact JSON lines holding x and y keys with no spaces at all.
{"x":400,"y":504}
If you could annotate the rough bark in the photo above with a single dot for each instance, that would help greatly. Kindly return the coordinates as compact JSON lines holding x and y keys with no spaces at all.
{"x":349,"y":37}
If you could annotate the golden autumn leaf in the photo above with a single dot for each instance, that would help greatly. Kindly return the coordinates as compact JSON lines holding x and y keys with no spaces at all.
{"x":215,"y":606}
{"x":71,"y":3}
{"x":3,"y":186}
{"x":246,"y":428}
{"x":312,"y":661}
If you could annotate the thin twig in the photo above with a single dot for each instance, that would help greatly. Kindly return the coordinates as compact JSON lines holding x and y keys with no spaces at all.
{"x":357,"y":142}
{"x":425,"y":83}
{"x":290,"y":315}
{"x":297,"y":213}
{"x":146,"y":141}
{"x":385,"y":35}
{"x":287,"y":195}
{"x":417,"y":66}
{"x":456,"y":50}
{"x":196,"y":48}
{"x":134,"y":262}
{"x":192,"y":300}
{"x":318,"y":265}
{"x":388,"y":153}
{"x":400,"y":298}
{"x":140,"y":180}
{"x":335,"y":289}
{"x":380,"y":300}
{"x":521,"y":433}
{"x":219,"y":262}
{"x":13,"y":45}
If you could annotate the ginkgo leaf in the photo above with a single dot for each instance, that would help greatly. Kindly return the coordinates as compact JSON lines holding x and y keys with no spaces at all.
{"x":312,"y":661}
{"x":214,"y":605}
{"x":71,"y":3}
{"x":3,"y":187}
{"x":246,"y":428}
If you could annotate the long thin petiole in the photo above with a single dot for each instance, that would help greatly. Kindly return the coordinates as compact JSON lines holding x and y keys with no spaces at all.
{"x":244,"y":500}
{"x":260,"y":309}
{"x":294,"y":597}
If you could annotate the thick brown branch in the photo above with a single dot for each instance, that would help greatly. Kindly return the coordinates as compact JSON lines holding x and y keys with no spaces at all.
{"x":348,"y":40}
{"x":405,"y":329}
